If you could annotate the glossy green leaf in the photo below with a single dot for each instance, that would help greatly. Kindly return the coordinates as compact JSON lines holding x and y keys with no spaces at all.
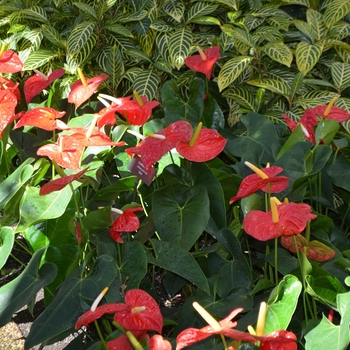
{"x":326,"y":130}
{"x":35,"y":208}
{"x":181,"y":214}
{"x":315,"y":19}
{"x":282,"y":304}
{"x":79,"y":36}
{"x":273,"y":85}
{"x":19,"y":292}
{"x":38,"y":58}
{"x":175,"y":9}
{"x":178,"y":261}
{"x":278,"y":52}
{"x":242,"y":96}
{"x":7,"y":239}
{"x":52,"y":34}
{"x":179,"y":46}
{"x":89,"y":10}
{"x":307,"y":55}
{"x":114,"y":65}
{"x":146,"y":84}
{"x":339,"y":171}
{"x":199,"y":9}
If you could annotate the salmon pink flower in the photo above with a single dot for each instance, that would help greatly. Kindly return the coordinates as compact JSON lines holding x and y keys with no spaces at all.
{"x":283,"y":219}
{"x":37,"y":83}
{"x":9,"y":85}
{"x":204,"y":62}
{"x":83,"y":89}
{"x":314,"y":250}
{"x":9,"y":61}
{"x":157,"y":342}
{"x":225,"y":327}
{"x":261,"y":181}
{"x":44,"y":118}
{"x":127,"y":221}
{"x":8,"y":103}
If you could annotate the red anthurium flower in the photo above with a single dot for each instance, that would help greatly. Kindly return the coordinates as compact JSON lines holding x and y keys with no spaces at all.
{"x":204,"y":62}
{"x":307,"y":122}
{"x":153,"y":148}
{"x":314,"y":250}
{"x":282,"y":220}
{"x":157,"y":342}
{"x":58,"y":184}
{"x":127,"y":221}
{"x":96,"y":138}
{"x":204,"y":145}
{"x":44,"y":118}
{"x":8,"y":103}
{"x":83,"y":89}
{"x":142,"y":312}
{"x":78,"y":233}
{"x":123,"y":342}
{"x":37,"y":83}
{"x":278,"y":340}
{"x":67,"y":152}
{"x":260,"y":181}
{"x":9,"y":61}
{"x":331,"y":112}
{"x":9,"y":85}
{"x":225,"y":327}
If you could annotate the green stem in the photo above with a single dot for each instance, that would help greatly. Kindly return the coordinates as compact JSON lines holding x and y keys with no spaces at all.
{"x":100,"y":335}
{"x":276,"y":261}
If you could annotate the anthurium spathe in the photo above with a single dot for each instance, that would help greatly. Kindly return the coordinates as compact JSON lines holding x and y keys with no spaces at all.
{"x":127,"y":221}
{"x":84,"y":88}
{"x":314,"y":250}
{"x":225,"y":327}
{"x":204,"y":62}
{"x":66,"y":153}
{"x":278,"y":340}
{"x":9,"y":61}
{"x":8,"y":103}
{"x":260,"y":181}
{"x":205,"y":145}
{"x":96,"y":138}
{"x":331,"y":112}
{"x":37,"y":83}
{"x":43,"y":117}
{"x":9,"y":85}
{"x":283,"y":219}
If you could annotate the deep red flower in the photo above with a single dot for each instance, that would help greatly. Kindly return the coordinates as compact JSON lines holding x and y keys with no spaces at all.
{"x":80,"y":93}
{"x":152,"y":149}
{"x":255,"y":182}
{"x":137,"y":112}
{"x":37,"y":83}
{"x":43,"y":117}
{"x":67,"y":152}
{"x":78,"y":233}
{"x":335,"y":113}
{"x":123,"y":342}
{"x":204,"y":62}
{"x":8,"y":103}
{"x":291,"y":219}
{"x":58,"y":184}
{"x":141,"y":314}
{"x":206,"y":147}
{"x":10,"y":62}
{"x":314,"y":250}
{"x":225,"y":327}
{"x":9,"y":85}
{"x":127,"y":221}
{"x":278,"y":340}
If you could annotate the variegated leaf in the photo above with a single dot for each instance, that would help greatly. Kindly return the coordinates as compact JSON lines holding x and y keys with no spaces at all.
{"x":233,"y":4}
{"x":315,"y":20}
{"x":275,"y":86}
{"x":138,"y":54}
{"x":161,"y":26}
{"x":142,"y":27}
{"x":315,"y":98}
{"x":343,"y":53}
{"x":206,"y":20}
{"x":278,"y":22}
{"x":175,"y":9}
{"x":86,"y":8}
{"x":83,"y":54}
{"x":51,"y":34}
{"x":307,"y":55}
{"x":318,"y":82}
{"x":267,"y":33}
{"x":341,"y":75}
{"x":132,"y":17}
{"x":79,"y":36}
{"x":118,"y":29}
{"x":253,"y":22}
{"x":243,"y":97}
{"x":297,"y":82}
{"x":34,"y":36}
{"x":306,"y":29}
{"x":132,"y":73}
{"x":162,"y":43}
{"x":255,"y":4}
{"x":114,"y":65}
{"x":339,"y":31}
{"x":36,"y":13}
{"x":163,"y":66}
{"x":298,"y":2}
{"x":179,"y":46}
{"x":147,"y":42}
{"x":146,"y":84}
{"x":38,"y":58}
{"x":335,"y":11}
{"x":101,"y":9}
{"x":240,"y":35}
{"x":278,"y":52}
{"x":231,"y":70}
{"x":199,"y":9}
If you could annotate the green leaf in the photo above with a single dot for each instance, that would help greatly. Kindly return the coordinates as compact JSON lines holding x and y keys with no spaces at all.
{"x":273,"y":85}
{"x":19,"y":292}
{"x":66,"y":308}
{"x":231,"y":70}
{"x":7,"y":239}
{"x":79,"y":36}
{"x":241,"y":96}
{"x":38,"y":58}
{"x":118,"y":29}
{"x":131,"y":17}
{"x":175,"y":9}
{"x":50,"y":33}
{"x":307,"y":55}
{"x":212,"y":116}
{"x":199,"y":9}
{"x":327,"y":335}
{"x":35,"y":208}
{"x":306,"y":29}
{"x":340,"y":75}
{"x":278,"y":52}
{"x":339,"y":171}
{"x":282,"y":304}
{"x":178,"y":261}
{"x":181,"y":214}
{"x":315,"y":20}
{"x":89,"y":10}
{"x":335,"y":11}
{"x":146,"y":83}
{"x":179,"y":46}
{"x":114,"y":65}
{"x":240,"y":35}
{"x":326,"y":130}
{"x":36,"y":13}
{"x":206,"y":20}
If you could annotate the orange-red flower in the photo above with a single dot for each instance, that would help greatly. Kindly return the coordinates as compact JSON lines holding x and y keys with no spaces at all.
{"x":278,"y":340}
{"x":8,"y":103}
{"x":9,"y":85}
{"x":9,"y":61}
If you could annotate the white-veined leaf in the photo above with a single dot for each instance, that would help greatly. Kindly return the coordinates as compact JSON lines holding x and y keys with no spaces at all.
{"x":315,"y":20}
{"x":341,"y":75}
{"x":79,"y":37}
{"x":132,"y":17}
{"x":35,"y":12}
{"x":335,"y":11}
{"x":199,"y":9}
{"x":138,"y":54}
{"x":175,"y":9}
{"x":243,"y":97}
{"x":307,"y":55}
{"x":38,"y":58}
{"x":142,"y":26}
{"x":275,"y":86}
{"x":298,"y":2}
{"x":240,"y":35}
{"x":118,"y":29}
{"x":206,"y":20}
{"x":147,"y":42}
{"x":231,"y":70}
{"x":161,"y":26}
{"x":279,"y":52}
{"x":50,"y":33}
{"x":114,"y":65}
{"x":180,"y":43}
{"x":306,"y":29}
{"x":146,"y":84}
{"x":34,"y":36}
{"x":162,"y":43}
{"x":278,"y":22}
{"x":163,"y":66}
{"x":86,"y":8}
